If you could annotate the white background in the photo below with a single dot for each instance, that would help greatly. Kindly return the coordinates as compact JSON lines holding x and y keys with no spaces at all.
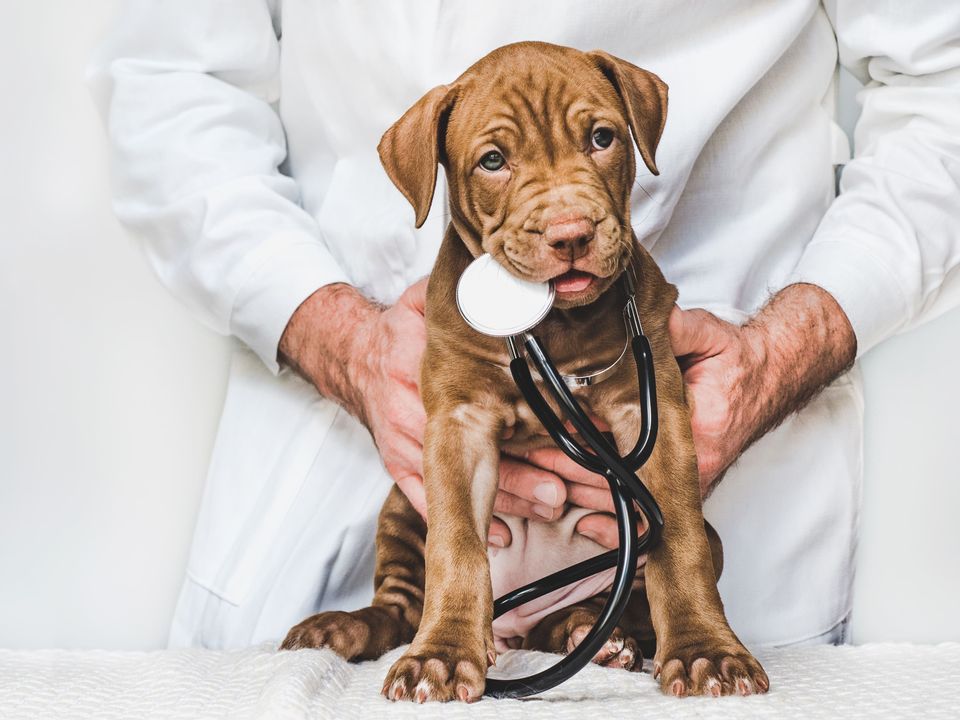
{"x":110,"y":394}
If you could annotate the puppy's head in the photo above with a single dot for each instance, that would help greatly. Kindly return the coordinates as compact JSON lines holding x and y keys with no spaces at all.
{"x":535,"y":141}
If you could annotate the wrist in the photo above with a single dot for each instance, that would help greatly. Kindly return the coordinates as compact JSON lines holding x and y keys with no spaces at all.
{"x":764,"y":359}
{"x":801,"y":341}
{"x":326,"y":342}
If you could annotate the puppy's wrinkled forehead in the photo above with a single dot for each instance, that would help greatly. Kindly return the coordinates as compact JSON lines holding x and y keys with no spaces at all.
{"x":530,"y":99}
{"x":530,"y":103}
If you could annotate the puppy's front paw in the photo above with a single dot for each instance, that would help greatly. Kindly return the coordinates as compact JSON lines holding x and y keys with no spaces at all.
{"x":714,"y":666}
{"x":438,"y":672}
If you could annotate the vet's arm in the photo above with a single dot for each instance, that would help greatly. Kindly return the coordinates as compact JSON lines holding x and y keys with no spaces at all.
{"x":367,"y":357}
{"x":888,"y":249}
{"x":741,"y":382}
{"x":188,"y":89}
{"x":885,"y":257}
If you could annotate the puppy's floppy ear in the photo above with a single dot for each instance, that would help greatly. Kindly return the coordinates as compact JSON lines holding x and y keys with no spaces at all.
{"x":645,"y":97}
{"x":410,"y":148}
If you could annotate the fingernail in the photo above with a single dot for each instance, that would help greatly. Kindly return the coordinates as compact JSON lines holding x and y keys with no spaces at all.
{"x":497,"y":541}
{"x":547,"y":493}
{"x":543,"y":511}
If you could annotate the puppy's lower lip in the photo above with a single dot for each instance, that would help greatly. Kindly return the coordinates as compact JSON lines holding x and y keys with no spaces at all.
{"x":572,"y":281}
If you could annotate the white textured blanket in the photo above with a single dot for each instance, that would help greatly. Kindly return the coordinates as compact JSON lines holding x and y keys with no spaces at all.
{"x":870,"y":681}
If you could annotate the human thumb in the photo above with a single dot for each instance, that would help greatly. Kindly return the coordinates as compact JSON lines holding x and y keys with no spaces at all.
{"x":416,"y":295}
{"x":694,"y":333}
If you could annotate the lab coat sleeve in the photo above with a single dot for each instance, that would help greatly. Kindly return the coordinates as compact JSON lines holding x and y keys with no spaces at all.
{"x":188,"y":89}
{"x":888,"y":249}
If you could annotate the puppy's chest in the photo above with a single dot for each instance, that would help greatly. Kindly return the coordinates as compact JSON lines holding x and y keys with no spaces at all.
{"x":539,"y":548}
{"x":609,"y":404}
{"x":526,"y":432}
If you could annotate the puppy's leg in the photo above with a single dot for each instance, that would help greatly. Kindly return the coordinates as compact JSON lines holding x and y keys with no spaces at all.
{"x":393,"y":617}
{"x":633,"y":638}
{"x":697,"y":652}
{"x":454,"y":645}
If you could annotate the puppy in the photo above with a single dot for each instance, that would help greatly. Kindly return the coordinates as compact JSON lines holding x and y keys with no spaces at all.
{"x":536,"y":143}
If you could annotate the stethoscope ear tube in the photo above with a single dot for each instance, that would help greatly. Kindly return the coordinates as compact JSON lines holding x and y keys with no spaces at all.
{"x":626,"y":490}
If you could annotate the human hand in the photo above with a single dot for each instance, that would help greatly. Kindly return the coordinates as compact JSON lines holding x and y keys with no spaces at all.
{"x":587,"y":490}
{"x":368,"y":359}
{"x":722,"y":366}
{"x":741,"y":382}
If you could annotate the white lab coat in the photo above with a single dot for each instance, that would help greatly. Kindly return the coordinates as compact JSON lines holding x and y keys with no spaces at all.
{"x":247,"y":165}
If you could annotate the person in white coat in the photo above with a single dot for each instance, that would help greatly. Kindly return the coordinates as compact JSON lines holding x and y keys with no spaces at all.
{"x":244,"y":138}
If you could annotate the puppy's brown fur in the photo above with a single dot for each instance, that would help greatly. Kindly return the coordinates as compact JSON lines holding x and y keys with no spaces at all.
{"x":560,"y":202}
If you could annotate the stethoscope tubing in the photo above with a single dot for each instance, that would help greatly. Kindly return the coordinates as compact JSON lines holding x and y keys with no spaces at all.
{"x":626,"y":490}
{"x":617,"y":599}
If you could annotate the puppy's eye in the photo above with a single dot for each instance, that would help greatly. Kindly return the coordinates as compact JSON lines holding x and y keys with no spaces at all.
{"x":602,"y":137}
{"x":492,"y":161}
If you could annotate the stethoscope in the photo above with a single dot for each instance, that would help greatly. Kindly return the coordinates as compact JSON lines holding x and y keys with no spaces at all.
{"x":496,"y":303}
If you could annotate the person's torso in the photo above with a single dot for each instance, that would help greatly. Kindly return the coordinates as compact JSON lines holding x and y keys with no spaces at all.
{"x":746,"y":165}
{"x":746,"y":158}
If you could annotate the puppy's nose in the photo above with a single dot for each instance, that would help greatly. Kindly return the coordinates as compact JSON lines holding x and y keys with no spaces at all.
{"x":569,"y":238}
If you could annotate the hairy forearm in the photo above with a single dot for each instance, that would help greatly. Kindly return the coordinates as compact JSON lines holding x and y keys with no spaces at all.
{"x":323,"y":338}
{"x":802,"y":341}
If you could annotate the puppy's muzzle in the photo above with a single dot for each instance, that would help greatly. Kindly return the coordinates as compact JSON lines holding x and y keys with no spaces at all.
{"x":570,"y":237}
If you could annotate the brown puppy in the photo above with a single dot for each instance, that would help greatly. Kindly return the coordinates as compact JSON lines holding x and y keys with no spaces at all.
{"x":535,"y":141}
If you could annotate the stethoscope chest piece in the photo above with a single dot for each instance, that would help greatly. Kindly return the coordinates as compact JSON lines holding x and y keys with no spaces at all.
{"x":494,"y":302}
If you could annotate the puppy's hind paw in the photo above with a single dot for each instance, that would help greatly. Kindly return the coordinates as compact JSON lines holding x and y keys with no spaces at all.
{"x":619,"y":651}
{"x":343,"y":632}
